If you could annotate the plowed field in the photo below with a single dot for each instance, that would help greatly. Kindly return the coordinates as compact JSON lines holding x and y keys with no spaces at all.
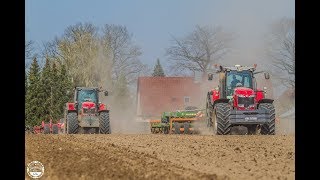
{"x":159,"y":156}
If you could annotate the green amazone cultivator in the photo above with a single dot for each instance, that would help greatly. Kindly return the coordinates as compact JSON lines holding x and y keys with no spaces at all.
{"x":177,"y":122}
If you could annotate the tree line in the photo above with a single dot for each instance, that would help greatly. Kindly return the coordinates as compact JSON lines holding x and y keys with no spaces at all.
{"x":47,"y":90}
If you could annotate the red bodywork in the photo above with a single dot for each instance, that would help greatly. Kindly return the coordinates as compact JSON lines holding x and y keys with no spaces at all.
{"x":243,"y":92}
{"x":102,"y":107}
{"x":215,"y":95}
{"x":88,"y":105}
{"x":71,"y":107}
{"x":259,"y":95}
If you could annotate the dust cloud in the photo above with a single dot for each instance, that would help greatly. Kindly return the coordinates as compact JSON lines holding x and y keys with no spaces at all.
{"x":123,"y":120}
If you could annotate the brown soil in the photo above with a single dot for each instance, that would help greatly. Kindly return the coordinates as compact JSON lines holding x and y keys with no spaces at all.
{"x":158,"y":156}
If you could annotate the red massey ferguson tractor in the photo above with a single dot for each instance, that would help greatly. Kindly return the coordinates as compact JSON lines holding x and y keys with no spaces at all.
{"x":237,"y":102}
{"x":86,"y":114}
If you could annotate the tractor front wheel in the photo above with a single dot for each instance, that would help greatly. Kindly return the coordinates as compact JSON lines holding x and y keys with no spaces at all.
{"x":104,"y":123}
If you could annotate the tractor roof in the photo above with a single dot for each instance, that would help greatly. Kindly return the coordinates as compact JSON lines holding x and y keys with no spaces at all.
{"x":236,"y":68}
{"x":87,"y":88}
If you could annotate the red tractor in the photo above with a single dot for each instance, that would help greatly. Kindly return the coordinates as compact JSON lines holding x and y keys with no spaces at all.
{"x":237,"y":102}
{"x":87,"y":114}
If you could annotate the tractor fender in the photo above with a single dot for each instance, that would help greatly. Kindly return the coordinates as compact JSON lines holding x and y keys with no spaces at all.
{"x":214,"y":95}
{"x":71,"y":107}
{"x":270,"y":101}
{"x":222,"y":100}
{"x":103,"y":108}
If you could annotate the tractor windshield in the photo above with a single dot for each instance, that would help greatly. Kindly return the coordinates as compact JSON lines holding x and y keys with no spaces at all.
{"x":236,"y":77}
{"x":87,"y":95}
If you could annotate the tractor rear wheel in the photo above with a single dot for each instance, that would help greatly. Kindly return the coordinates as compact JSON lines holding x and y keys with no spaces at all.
{"x":55,"y":129}
{"x":269,"y":127}
{"x":46,"y":129}
{"x":177,"y":128}
{"x":222,"y":113}
{"x":104,"y":123}
{"x":186,"y":127}
{"x":209,"y":110}
{"x":72,"y":123}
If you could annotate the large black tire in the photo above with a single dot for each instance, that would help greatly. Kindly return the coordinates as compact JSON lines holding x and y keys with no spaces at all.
{"x":270,"y":127}
{"x":186,"y":127}
{"x":222,"y":113}
{"x":72,"y":123}
{"x":104,"y":123}
{"x":177,"y":128}
{"x":209,"y":110}
{"x":46,"y":129}
{"x":55,"y":129}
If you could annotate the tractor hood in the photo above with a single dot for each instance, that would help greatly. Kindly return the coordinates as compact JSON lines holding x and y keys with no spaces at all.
{"x":88,"y":105}
{"x":243,"y":91}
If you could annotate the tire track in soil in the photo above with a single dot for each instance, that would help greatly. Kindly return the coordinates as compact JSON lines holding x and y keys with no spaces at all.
{"x":83,"y":157}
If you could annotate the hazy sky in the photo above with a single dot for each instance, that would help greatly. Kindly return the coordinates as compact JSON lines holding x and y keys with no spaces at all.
{"x":152,"y":22}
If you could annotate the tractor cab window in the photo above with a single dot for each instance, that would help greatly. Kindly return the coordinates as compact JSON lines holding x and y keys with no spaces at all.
{"x":86,"y":95}
{"x":236,"y":77}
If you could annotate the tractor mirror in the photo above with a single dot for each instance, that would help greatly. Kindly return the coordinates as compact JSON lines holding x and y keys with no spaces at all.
{"x":106,"y":93}
{"x":266,"y":75}
{"x":210,"y":76}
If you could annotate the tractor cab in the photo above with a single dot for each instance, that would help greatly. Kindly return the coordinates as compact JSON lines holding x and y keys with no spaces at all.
{"x":238,"y":79}
{"x":87,"y":99}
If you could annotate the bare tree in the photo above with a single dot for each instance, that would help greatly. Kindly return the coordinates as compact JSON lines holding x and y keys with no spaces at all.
{"x":123,"y":52}
{"x":281,"y":49}
{"x":78,"y":49}
{"x":94,"y":60}
{"x":197,"y":51}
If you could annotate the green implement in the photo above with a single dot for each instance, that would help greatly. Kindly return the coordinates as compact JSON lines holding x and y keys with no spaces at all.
{"x":177,"y":121}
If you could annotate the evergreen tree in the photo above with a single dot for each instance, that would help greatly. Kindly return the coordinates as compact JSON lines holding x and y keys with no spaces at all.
{"x":32,"y":100}
{"x":158,"y":71}
{"x":55,"y":109}
{"x":25,"y":83}
{"x":65,"y":90}
{"x":46,"y":91}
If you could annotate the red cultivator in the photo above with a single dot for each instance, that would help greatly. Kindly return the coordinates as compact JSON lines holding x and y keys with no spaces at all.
{"x":49,"y":128}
